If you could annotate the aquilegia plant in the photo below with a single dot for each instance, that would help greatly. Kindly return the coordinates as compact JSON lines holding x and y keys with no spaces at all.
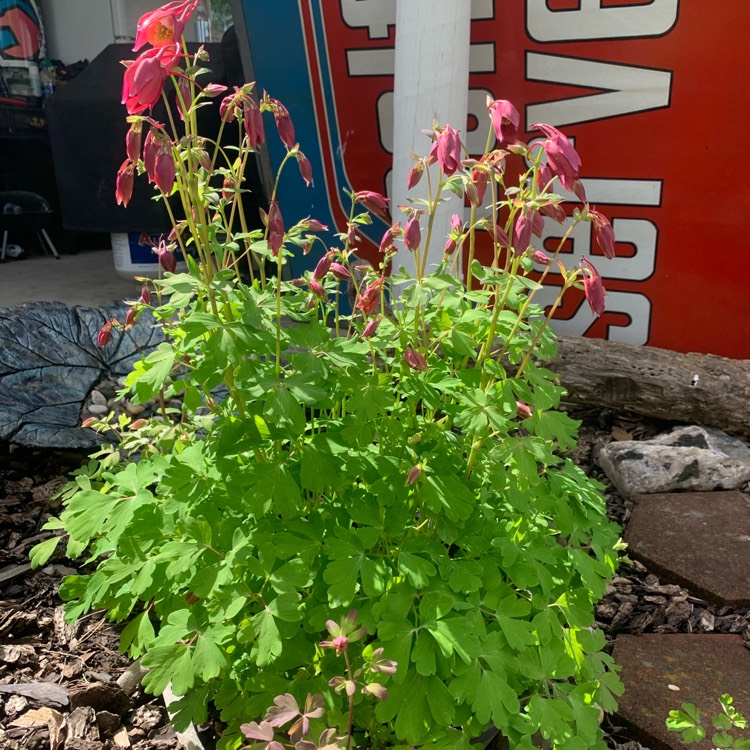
{"x":405,"y":461}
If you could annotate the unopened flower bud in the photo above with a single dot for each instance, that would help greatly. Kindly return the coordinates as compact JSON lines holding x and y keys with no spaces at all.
{"x":414,"y":474}
{"x":523,"y":411}
{"x":415,"y":175}
{"x":340,"y":271}
{"x":322,"y":268}
{"x":371,"y":328}
{"x":138,"y":424}
{"x":415,"y":360}
{"x":105,"y":334}
{"x":167,"y":260}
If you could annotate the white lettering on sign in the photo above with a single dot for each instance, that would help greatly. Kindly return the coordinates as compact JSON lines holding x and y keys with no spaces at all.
{"x":377,"y":16}
{"x":634,"y":306}
{"x":641,"y":234}
{"x":626,"y":89}
{"x":591,"y":21}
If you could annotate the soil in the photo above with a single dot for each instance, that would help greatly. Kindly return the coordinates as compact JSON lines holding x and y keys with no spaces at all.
{"x":76,"y":701}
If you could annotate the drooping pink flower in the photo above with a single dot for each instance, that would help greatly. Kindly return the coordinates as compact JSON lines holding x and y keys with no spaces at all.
{"x":415,"y":360}
{"x":144,"y":79}
{"x":371,"y":328}
{"x":146,"y":295}
{"x":283,"y":123}
{"x":562,"y":158}
{"x":522,"y":233}
{"x":603,"y":232}
{"x":479,"y":178}
{"x":523,"y":411}
{"x":369,"y":299}
{"x":151,"y":148}
{"x":253,"y":123}
{"x":275,"y":228}
{"x":131,"y":316}
{"x":322,"y":267}
{"x":537,"y":223}
{"x":412,"y":234}
{"x":447,"y":150}
{"x":541,"y":258}
{"x":374,"y":202}
{"x":386,"y":243}
{"x":316,"y":288}
{"x":164,"y":25}
{"x":415,"y":175}
{"x":413,"y":475}
{"x":450,"y":246}
{"x":184,"y":98}
{"x":313,"y":225}
{"x":305,"y":169}
{"x":499,"y":235}
{"x":164,"y":171}
{"x":340,"y":271}
{"x":377,"y":690}
{"x":351,"y":234}
{"x":505,"y":121}
{"x":457,"y":224}
{"x":554,"y":211}
{"x":593,"y":288}
{"x":124,"y":183}
{"x":543,"y":177}
{"x":133,"y":141}
{"x":105,"y":335}
{"x":579,"y":191}
{"x":167,"y":259}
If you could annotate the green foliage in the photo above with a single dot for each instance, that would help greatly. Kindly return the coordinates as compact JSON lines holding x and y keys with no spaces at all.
{"x":688,"y":721}
{"x":404,"y":462}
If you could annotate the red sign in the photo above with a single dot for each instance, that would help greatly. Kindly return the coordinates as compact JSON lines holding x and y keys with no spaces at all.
{"x":650,"y":93}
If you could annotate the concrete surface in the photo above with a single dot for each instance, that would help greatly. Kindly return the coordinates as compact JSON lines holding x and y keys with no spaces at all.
{"x":87,"y":278}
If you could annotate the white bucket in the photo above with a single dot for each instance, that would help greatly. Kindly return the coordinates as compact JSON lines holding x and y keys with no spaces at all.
{"x":133,"y":259}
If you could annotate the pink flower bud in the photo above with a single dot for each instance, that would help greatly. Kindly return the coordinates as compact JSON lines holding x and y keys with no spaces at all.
{"x":448,"y":150}
{"x":415,"y":175}
{"x":580,"y":191}
{"x":450,"y":246}
{"x":316,"y":288}
{"x":554,"y":211}
{"x":340,"y":271}
{"x":377,"y":690}
{"x":603,"y":232}
{"x":479,"y":178}
{"x":138,"y":424}
{"x":499,"y":235}
{"x":386,"y":243}
{"x":412,"y":234}
{"x":322,"y":267}
{"x":283,"y":123}
{"x":523,"y":411}
{"x":133,"y":141}
{"x":593,"y":288}
{"x":539,"y":257}
{"x":457,"y":224}
{"x":562,"y":158}
{"x":537,"y":223}
{"x":167,"y":259}
{"x":253,"y":124}
{"x":413,"y":475}
{"x":131,"y":316}
{"x":313,"y":225}
{"x":351,"y":234}
{"x":415,"y":360}
{"x":164,"y":171}
{"x":305,"y":169}
{"x":522,"y":233}
{"x":105,"y":335}
{"x":373,"y":202}
{"x":151,"y":148}
{"x":88,"y":422}
{"x":214,"y":89}
{"x":371,"y":328}
{"x":275,"y":228}
{"x":124,"y":183}
{"x":184,"y":98}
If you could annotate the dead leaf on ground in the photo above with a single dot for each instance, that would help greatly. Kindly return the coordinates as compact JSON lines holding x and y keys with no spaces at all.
{"x":39,"y":717}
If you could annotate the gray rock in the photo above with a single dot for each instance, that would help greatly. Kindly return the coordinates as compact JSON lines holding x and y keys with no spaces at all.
{"x":688,"y":458}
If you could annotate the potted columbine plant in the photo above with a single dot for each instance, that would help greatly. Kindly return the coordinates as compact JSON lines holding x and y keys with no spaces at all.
{"x":355,"y":528}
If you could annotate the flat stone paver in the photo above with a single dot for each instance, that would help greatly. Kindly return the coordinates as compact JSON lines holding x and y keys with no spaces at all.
{"x":698,"y":539}
{"x":702,"y":666}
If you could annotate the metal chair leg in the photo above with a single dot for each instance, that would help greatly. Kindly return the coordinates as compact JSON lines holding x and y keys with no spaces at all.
{"x":49,"y":242}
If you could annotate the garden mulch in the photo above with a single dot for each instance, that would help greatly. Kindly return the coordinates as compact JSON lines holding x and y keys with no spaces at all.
{"x":70,"y":698}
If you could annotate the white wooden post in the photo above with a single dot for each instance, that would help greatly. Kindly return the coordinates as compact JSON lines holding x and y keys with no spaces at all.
{"x":431,"y":84}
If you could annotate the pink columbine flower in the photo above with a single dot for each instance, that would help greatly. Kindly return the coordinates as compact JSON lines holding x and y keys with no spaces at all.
{"x":374,"y":202}
{"x":151,"y":148}
{"x":523,"y":411}
{"x":340,"y":271}
{"x":252,"y":121}
{"x":415,"y":175}
{"x":413,"y":475}
{"x":167,"y":259}
{"x":593,"y":288}
{"x":544,"y":177}
{"x":313,"y":225}
{"x":371,"y":328}
{"x":340,"y":643}
{"x":105,"y":335}
{"x":603,"y":232}
{"x":164,"y":25}
{"x":322,"y":267}
{"x":164,"y":171}
{"x":316,"y":288}
{"x":146,"y":295}
{"x":184,"y":98}
{"x":554,"y":211}
{"x":541,"y":258}
{"x":124,"y":183}
{"x":370,"y":298}
{"x":479,"y":178}
{"x":562,"y":158}
{"x":386,"y":243}
{"x":144,"y":79}
{"x":450,"y":246}
{"x":505,"y":121}
{"x":457,"y":224}
{"x":522,"y":233}
{"x":131,"y":316}
{"x":447,"y":150}
{"x":412,"y":234}
{"x":377,"y":690}
{"x":499,"y":235}
{"x":283,"y":123}
{"x":133,"y":141}
{"x":275,"y":228}
{"x":580,"y":191}
{"x":415,"y":360}
{"x":305,"y":169}
{"x":537,"y":223}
